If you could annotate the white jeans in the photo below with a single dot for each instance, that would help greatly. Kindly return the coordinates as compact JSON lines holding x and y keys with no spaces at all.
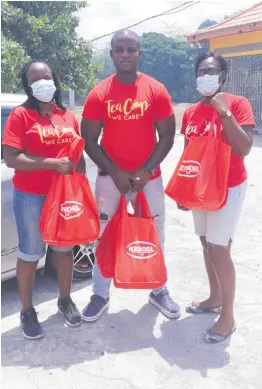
{"x":107,"y":198}
{"x":219,"y":227}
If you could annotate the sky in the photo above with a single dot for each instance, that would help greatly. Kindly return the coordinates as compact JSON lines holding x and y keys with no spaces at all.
{"x":105,"y":16}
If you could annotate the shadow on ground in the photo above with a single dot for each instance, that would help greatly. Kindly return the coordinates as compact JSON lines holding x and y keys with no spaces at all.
{"x":180,"y":342}
{"x":46,"y":289}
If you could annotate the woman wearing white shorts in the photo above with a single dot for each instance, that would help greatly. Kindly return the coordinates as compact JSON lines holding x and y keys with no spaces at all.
{"x":216,"y":229}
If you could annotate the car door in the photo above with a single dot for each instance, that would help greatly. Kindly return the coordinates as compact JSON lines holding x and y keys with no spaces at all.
{"x":8,"y":231}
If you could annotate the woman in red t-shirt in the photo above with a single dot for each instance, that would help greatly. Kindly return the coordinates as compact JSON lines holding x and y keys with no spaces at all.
{"x":216,"y":229}
{"x":34,"y":135}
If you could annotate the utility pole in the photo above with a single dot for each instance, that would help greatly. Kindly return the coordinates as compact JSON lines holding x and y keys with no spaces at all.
{"x":71,"y":98}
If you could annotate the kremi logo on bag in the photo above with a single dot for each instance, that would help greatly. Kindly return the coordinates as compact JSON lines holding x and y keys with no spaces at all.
{"x":71,"y":209}
{"x":189,"y":169}
{"x":141,"y":250}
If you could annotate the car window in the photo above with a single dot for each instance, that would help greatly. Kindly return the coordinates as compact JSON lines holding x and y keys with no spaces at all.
{"x":5,"y":112}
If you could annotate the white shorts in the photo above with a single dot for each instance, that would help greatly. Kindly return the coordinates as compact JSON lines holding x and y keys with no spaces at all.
{"x":219,"y":227}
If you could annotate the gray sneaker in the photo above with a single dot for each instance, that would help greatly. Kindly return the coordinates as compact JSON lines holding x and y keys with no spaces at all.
{"x":95,"y":308}
{"x":30,"y":325}
{"x":71,"y":314}
{"x":165,"y":304}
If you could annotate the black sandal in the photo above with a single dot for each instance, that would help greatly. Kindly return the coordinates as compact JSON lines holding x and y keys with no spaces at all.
{"x":194,"y":309}
{"x":212,"y":337}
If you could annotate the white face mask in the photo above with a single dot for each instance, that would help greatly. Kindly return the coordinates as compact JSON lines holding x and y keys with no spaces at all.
{"x":43,"y":90}
{"x":208,"y":85}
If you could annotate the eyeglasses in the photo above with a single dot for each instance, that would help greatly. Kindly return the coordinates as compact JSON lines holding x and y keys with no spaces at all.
{"x":211,"y":72}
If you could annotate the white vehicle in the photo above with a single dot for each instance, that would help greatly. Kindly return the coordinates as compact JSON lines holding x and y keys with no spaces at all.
{"x":83,"y":255}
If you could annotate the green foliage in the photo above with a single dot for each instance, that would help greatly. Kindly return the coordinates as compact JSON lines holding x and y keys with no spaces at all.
{"x":12,"y":55}
{"x":171,"y":61}
{"x":47,"y":30}
{"x":102,"y":57}
{"x":52,"y":8}
{"x":207,"y":23}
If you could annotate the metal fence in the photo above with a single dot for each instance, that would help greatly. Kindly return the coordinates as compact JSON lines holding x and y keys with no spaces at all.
{"x":245,"y":79}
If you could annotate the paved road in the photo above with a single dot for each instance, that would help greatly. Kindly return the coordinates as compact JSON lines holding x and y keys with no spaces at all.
{"x":134,"y":347}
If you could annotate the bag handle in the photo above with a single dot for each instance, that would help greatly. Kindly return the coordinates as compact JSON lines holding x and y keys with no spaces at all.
{"x":76,"y":149}
{"x":141,"y":206}
{"x":73,"y":150}
{"x":122,"y":206}
{"x":212,"y":133}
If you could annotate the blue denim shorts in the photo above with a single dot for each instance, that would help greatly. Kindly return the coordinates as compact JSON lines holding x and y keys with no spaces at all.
{"x":28,"y":208}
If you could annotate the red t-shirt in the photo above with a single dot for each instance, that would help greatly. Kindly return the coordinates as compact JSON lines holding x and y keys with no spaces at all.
{"x":25,"y":130}
{"x":196,"y":122}
{"x":128,"y":113}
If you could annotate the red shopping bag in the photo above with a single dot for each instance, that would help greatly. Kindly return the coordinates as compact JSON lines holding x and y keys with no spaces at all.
{"x":139,"y":261}
{"x":106,"y":248}
{"x":69,"y":216}
{"x":105,"y":251}
{"x":200,"y":180}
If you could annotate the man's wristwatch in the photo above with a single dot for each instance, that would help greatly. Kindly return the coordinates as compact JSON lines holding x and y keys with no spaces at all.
{"x":225,"y":115}
{"x":148,"y":168}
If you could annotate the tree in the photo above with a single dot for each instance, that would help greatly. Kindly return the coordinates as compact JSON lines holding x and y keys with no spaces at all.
{"x":171,"y":60}
{"x":12,"y":55}
{"x":102,"y":57}
{"x":161,"y":57}
{"x":207,"y":23}
{"x":47,"y":30}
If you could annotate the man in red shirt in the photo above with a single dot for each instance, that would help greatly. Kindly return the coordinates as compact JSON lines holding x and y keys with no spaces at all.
{"x":130,"y":107}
